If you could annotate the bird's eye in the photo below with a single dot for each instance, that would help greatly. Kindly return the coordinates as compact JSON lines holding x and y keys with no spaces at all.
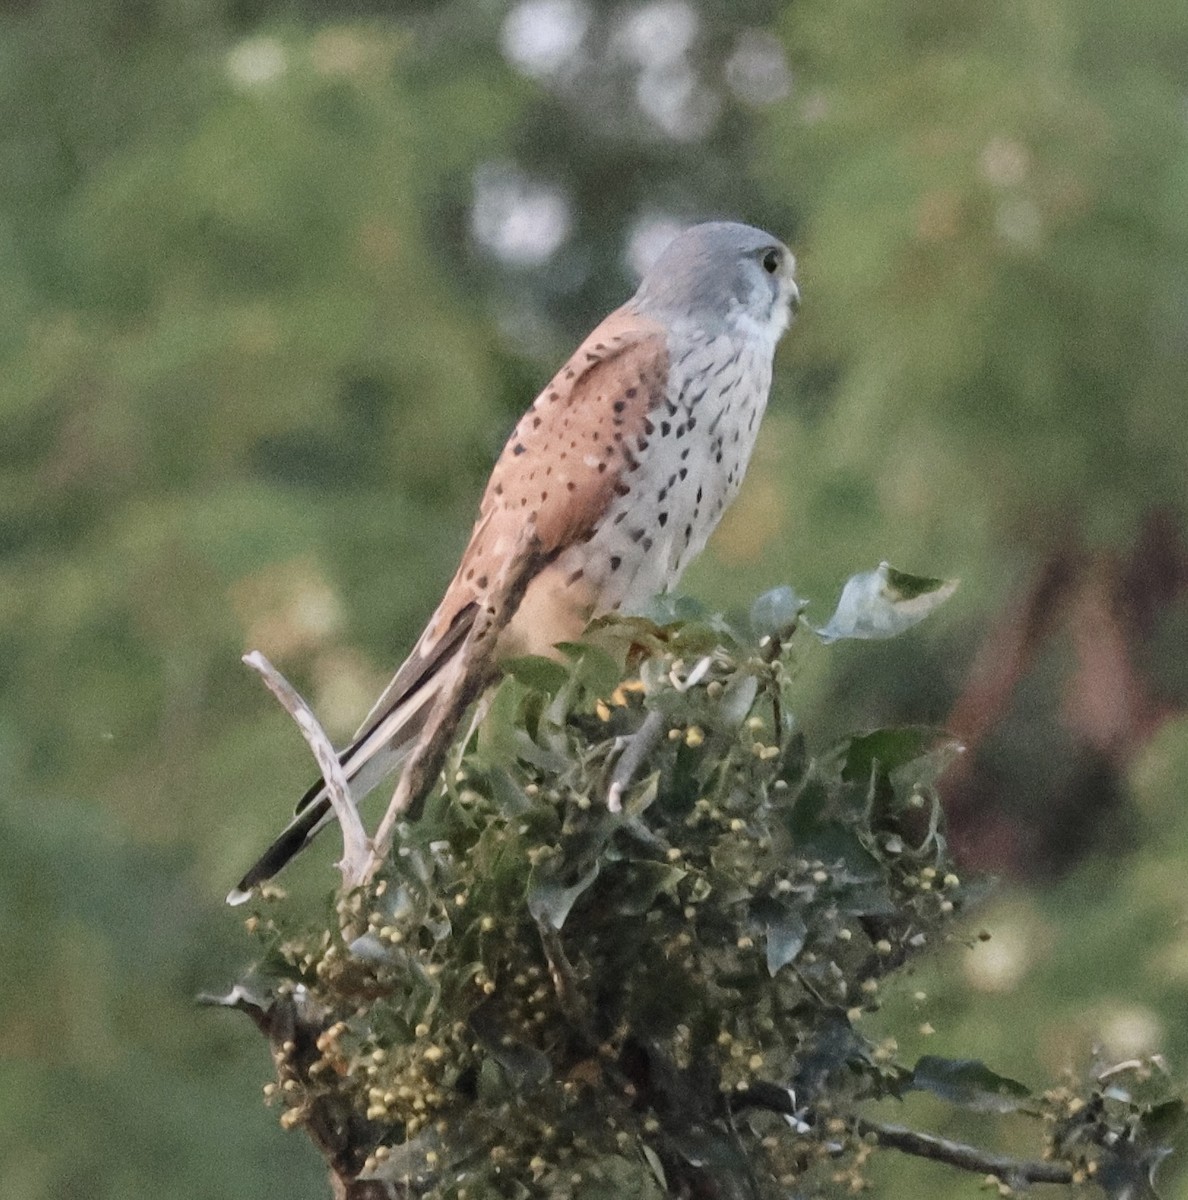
{"x":771,"y":261}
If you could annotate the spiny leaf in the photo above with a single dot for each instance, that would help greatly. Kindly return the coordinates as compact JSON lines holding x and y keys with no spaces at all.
{"x":776,"y":613}
{"x":968,"y":1083}
{"x":786,"y":935}
{"x":883,"y":603}
{"x":549,"y":901}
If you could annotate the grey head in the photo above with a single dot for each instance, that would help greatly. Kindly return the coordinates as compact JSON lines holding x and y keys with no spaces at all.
{"x":722,"y":276}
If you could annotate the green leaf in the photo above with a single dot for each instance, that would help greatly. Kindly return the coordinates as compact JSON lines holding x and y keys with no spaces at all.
{"x":524,"y":1067}
{"x":656,"y":1165}
{"x":786,"y":935}
{"x":671,"y":609}
{"x":883,"y":603}
{"x":776,"y":613}
{"x":637,"y":882}
{"x":968,"y":1083}
{"x":737,"y":700}
{"x":549,"y":901}
{"x":1162,"y":1120}
{"x":890,"y":749}
{"x":592,"y":667}
{"x":1128,"y":1173}
{"x":537,"y":672}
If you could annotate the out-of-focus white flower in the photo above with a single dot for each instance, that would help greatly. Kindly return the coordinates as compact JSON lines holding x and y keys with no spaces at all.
{"x":677,"y":102}
{"x":256,"y":62}
{"x":757,"y":70}
{"x":658,"y":34}
{"x":541,"y":36}
{"x":647,"y":239}
{"x":520,"y":220}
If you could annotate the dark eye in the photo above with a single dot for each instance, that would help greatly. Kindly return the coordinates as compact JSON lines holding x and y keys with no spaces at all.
{"x":771,"y":261}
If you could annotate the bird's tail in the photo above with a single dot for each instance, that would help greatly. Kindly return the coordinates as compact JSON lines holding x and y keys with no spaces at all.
{"x":375,"y":754}
{"x":381,"y":745}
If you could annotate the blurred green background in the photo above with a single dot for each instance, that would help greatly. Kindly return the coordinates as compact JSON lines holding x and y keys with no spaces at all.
{"x":276,"y":277}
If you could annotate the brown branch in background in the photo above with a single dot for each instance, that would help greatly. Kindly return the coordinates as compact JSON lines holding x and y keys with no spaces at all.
{"x":1108,"y":606}
{"x":1012,"y":1171}
{"x":1007,"y":653}
{"x":471,"y":671}
{"x":355,"y":843}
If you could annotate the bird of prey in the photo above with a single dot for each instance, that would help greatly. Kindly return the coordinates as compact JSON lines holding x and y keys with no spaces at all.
{"x":623,"y":467}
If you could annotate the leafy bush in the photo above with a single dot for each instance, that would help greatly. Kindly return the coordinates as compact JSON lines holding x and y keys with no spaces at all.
{"x":545,"y":994}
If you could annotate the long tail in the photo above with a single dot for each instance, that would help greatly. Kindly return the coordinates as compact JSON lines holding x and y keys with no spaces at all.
{"x":367,"y":761}
{"x":380,"y":746}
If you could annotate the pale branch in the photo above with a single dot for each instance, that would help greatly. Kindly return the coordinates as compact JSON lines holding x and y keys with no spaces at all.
{"x":355,"y":843}
{"x":470,"y":672}
{"x":1011,"y":1171}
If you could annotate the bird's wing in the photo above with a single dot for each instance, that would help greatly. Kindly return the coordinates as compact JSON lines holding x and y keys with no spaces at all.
{"x":570,"y":455}
{"x":562,"y":465}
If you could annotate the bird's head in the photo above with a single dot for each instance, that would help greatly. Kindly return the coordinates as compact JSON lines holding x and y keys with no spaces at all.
{"x":723,"y":276}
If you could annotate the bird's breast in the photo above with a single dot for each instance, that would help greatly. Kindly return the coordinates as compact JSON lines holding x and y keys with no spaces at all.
{"x":688,"y":466}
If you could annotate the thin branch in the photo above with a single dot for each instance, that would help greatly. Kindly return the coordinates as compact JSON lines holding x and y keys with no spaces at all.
{"x":639,"y":745}
{"x":966,"y":1158}
{"x":1013,"y":1171}
{"x":355,"y":843}
{"x":470,"y":672}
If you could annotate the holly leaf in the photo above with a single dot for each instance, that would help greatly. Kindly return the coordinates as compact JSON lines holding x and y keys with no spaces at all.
{"x":776,"y":613}
{"x":883,"y":603}
{"x":549,"y":901}
{"x":968,"y":1083}
{"x":785,"y":936}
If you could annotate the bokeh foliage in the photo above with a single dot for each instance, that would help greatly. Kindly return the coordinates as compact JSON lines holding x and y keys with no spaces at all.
{"x":255,"y":366}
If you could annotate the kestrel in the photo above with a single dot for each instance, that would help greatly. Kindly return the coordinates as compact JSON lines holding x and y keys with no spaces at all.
{"x":623,"y":466}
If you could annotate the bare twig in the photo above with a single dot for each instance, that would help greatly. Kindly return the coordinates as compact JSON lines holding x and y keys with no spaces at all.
{"x":470,"y":672}
{"x":355,"y":843}
{"x":1012,"y":1171}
